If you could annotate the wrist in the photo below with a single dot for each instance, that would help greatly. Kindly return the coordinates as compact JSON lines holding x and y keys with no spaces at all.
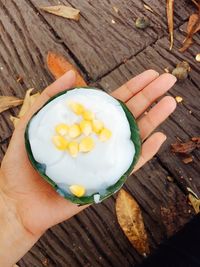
{"x":14,"y":237}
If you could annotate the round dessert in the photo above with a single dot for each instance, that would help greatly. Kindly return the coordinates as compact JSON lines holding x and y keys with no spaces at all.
{"x":84,"y":143}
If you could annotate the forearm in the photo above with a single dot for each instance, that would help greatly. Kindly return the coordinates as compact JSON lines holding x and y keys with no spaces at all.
{"x":15,"y":240}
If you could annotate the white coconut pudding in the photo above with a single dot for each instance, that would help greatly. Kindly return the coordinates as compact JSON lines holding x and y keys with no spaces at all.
{"x":83,"y":138}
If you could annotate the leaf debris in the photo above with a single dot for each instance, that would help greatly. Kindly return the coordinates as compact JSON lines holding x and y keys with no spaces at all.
{"x":58,"y":65}
{"x":186,"y":147}
{"x":170,"y":20}
{"x":179,"y":99}
{"x":187,"y":160}
{"x":63,"y":11}
{"x":28,"y":101}
{"x":116,"y":9}
{"x":130,"y":219}
{"x":195,"y":202}
{"x":192,"y":28}
{"x":148,"y":8}
{"x":7,"y":102}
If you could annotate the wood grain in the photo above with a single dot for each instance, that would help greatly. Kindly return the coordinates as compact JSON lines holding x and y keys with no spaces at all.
{"x":24,"y":43}
{"x":107,"y":54}
{"x":98,"y":44}
{"x":184,"y":123}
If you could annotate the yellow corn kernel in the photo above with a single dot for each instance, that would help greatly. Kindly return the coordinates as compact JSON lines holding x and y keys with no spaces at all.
{"x":60,"y":142}
{"x":74,"y":131}
{"x":88,"y":115}
{"x":105,"y":134}
{"x":77,"y":108}
{"x":77,"y":190}
{"x":97,"y":126}
{"x":86,"y":144}
{"x":62,"y":129}
{"x":86,"y":127}
{"x":73,"y":148}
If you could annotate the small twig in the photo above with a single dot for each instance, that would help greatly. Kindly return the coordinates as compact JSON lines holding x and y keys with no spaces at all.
{"x":170,"y":19}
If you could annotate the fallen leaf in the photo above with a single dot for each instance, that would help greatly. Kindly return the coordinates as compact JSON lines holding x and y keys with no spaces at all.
{"x":26,"y":104}
{"x":58,"y":65}
{"x":63,"y":11}
{"x":170,"y":20}
{"x":7,"y":102}
{"x":195,"y":202}
{"x":187,"y":43}
{"x":183,"y":148}
{"x":33,"y":98}
{"x":130,"y":219}
{"x":193,"y":24}
{"x":28,"y":101}
{"x":192,"y":28}
{"x":187,"y":160}
{"x":148,"y":8}
{"x":14,"y":120}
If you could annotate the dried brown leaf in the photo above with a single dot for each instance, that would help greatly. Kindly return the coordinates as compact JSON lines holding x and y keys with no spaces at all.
{"x":58,"y":65}
{"x":193,"y":24}
{"x":28,"y":102}
{"x":195,"y":203}
{"x":63,"y":11}
{"x":7,"y":102}
{"x":148,"y":8}
{"x":130,"y":219}
{"x":186,"y":147}
{"x":183,"y":148}
{"x":187,"y":43}
{"x":192,"y":28}
{"x":170,"y":20}
{"x":14,"y":120}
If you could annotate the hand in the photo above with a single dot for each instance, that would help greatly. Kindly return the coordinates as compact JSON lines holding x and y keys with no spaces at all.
{"x":34,"y":203}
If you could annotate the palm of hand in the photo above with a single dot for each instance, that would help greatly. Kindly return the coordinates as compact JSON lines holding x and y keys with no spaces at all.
{"x":38,"y":205}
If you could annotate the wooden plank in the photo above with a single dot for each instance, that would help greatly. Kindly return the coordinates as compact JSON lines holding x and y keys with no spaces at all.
{"x":184,"y":123}
{"x":97,"y":43}
{"x":90,"y":239}
{"x":24,"y":43}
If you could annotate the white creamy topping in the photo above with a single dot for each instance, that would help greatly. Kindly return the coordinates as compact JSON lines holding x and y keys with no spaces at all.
{"x":97,"y":169}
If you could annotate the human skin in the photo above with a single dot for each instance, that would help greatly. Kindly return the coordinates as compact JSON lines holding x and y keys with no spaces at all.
{"x":28,"y":204}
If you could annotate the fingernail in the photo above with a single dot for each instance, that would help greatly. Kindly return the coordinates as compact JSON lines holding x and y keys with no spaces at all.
{"x":71,"y":73}
{"x":164,"y":137}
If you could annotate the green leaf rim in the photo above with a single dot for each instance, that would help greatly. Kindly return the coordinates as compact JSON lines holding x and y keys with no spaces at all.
{"x":40,"y":168}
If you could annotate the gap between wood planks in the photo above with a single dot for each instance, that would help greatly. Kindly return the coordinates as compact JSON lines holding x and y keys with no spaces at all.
{"x":77,"y":61}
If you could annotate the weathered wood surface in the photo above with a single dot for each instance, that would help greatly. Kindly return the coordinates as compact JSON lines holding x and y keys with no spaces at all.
{"x":107,"y":54}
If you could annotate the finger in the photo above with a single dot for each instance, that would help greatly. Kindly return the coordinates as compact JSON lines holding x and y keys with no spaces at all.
{"x":140,"y":102}
{"x":150,"y":148}
{"x":136,"y":84}
{"x":65,"y":82}
{"x":156,"y":116}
